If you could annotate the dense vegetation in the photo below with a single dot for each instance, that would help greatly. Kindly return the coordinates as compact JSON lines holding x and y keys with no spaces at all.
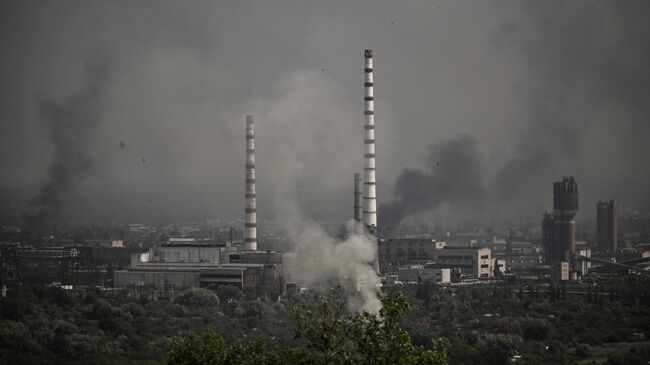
{"x":480,"y":324}
{"x":330,"y":334}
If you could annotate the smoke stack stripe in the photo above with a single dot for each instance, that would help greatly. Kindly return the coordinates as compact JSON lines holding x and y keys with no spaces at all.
{"x":250,"y":227}
{"x":369,"y":188}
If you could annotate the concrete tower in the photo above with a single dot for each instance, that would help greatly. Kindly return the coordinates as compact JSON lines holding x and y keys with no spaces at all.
{"x":250,"y":229}
{"x":565,"y":207}
{"x":370,"y":188}
{"x":607,"y":226}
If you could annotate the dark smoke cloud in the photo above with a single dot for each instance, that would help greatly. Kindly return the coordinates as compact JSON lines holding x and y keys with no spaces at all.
{"x":452,"y":174}
{"x":583,"y":104}
{"x":585,"y":62}
{"x":70,"y":123}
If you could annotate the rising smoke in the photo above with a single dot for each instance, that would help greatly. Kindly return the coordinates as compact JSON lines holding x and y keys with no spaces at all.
{"x":70,"y":123}
{"x":582,"y":109}
{"x":584,"y":96}
{"x":452,"y":174}
{"x":294,"y":134}
{"x":325,"y":259}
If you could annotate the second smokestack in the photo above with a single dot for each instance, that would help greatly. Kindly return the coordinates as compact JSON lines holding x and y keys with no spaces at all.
{"x":250,"y":229}
{"x":358,"y":197}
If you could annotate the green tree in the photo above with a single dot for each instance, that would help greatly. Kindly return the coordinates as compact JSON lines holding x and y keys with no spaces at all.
{"x":328,"y":333}
{"x":229,"y":292}
{"x":199,"y":297}
{"x":208,"y":349}
{"x":197,"y":350}
{"x":337,"y":336}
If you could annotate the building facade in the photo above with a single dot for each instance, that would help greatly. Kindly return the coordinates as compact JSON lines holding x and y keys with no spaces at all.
{"x":606,"y":226}
{"x":472,"y":262}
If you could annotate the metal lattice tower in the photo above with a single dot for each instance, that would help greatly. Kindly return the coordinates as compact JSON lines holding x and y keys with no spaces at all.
{"x":78,"y":267}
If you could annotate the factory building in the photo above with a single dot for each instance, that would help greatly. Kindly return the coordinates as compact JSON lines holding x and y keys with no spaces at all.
{"x":473,"y":263}
{"x":187,"y":250}
{"x":417,"y":273}
{"x":255,"y":257}
{"x":435,"y":275}
{"x":164,"y":278}
{"x":170,"y":277}
{"x":402,"y":251}
{"x":186,"y":263}
{"x":606,"y":226}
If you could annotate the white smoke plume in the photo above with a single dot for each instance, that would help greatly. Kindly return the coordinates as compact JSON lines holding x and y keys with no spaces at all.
{"x":324,"y":260}
{"x":310,"y":124}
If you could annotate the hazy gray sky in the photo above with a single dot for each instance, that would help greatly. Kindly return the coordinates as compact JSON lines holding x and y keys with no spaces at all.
{"x":521,"y":80}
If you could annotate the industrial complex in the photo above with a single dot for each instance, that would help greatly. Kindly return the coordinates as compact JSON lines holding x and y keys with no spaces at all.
{"x":184,"y":258}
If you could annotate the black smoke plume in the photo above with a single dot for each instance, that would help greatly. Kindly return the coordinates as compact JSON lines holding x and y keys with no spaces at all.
{"x":584,"y":96}
{"x":586,"y":84}
{"x":70,"y":124}
{"x":452,"y":174}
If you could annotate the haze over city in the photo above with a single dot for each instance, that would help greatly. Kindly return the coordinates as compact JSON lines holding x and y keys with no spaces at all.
{"x":309,"y":182}
{"x":524,"y":91}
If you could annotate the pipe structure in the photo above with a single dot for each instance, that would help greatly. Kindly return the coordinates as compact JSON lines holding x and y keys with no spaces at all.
{"x":358,"y":205}
{"x":250,"y":227}
{"x":358,"y":197}
{"x":370,"y":188}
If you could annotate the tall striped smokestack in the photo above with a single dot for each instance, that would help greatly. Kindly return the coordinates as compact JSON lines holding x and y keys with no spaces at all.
{"x":369,"y":188}
{"x":250,"y":229}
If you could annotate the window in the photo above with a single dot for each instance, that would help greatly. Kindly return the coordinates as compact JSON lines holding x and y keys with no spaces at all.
{"x":484,"y":257}
{"x":485,"y":266}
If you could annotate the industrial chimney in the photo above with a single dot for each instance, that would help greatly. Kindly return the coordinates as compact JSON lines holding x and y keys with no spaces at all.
{"x":250,"y":228}
{"x":358,"y":195}
{"x":358,"y":207}
{"x":370,"y":188}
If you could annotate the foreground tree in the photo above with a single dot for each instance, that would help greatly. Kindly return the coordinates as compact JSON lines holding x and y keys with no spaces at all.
{"x":329,"y":333}
{"x":208,"y":349}
{"x":337,"y":336}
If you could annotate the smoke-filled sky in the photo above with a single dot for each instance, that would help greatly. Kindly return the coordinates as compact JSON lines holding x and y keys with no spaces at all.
{"x":512,"y":94}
